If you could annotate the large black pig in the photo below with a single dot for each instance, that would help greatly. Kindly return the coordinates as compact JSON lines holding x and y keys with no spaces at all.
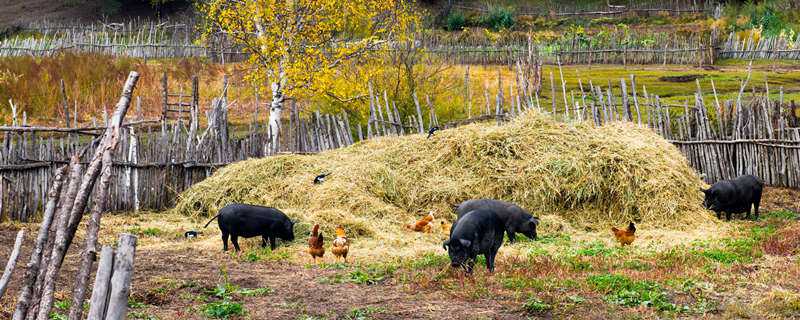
{"x":514,"y":218}
{"x":477,"y":232}
{"x":243,"y":220}
{"x":734,"y":196}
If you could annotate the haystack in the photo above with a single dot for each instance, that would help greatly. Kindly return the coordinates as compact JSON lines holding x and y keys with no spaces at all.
{"x":585,"y":175}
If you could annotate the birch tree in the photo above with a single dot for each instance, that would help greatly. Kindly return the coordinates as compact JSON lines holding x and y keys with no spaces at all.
{"x":297,"y":45}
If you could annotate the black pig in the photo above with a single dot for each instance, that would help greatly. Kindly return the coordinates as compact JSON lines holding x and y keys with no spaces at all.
{"x":514,"y":218}
{"x":734,"y":196}
{"x":242,"y":220}
{"x":477,"y":232}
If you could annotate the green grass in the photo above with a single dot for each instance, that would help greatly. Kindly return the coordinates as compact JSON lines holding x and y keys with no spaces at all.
{"x":370,"y":274}
{"x":364,"y":313}
{"x":264,"y":254}
{"x":256,"y":292}
{"x":534,"y":305}
{"x":146,"y":232}
{"x":430,"y":260}
{"x":223,"y":309}
{"x":621,"y":290}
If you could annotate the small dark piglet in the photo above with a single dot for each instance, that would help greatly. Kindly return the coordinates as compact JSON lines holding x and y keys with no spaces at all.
{"x":477,"y":232}
{"x":190,"y":234}
{"x":514,"y":218}
{"x":247,"y":221}
{"x":734,"y":196}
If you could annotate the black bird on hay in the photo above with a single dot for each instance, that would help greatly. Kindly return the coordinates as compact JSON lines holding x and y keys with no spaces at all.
{"x":190,"y":234}
{"x":321,"y":178}
{"x":432,"y":130}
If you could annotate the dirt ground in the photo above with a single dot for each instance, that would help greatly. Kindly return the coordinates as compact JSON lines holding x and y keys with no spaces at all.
{"x":177,"y":278}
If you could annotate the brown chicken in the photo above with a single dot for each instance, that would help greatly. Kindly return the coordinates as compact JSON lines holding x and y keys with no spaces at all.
{"x":423,"y":225}
{"x":316,"y":244}
{"x":625,"y":237}
{"x":445,"y":226}
{"x":340,"y":245}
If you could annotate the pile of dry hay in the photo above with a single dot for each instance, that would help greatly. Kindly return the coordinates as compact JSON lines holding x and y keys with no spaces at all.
{"x":586,"y":175}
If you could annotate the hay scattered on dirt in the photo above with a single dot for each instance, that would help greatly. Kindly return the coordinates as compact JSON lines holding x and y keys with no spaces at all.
{"x":587,"y":175}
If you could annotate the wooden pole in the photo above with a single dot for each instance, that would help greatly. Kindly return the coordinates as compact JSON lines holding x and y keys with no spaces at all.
{"x":89,"y":253}
{"x":121,"y":278}
{"x":12,"y":263}
{"x":64,"y":237}
{"x":102,"y":285}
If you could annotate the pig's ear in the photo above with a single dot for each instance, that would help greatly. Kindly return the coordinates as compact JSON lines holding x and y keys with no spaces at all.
{"x":535,"y":221}
{"x":464,"y":242}
{"x":445,"y":244}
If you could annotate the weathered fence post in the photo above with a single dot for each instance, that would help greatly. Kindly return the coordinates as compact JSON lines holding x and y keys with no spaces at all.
{"x":102,"y":284}
{"x":121,"y":278}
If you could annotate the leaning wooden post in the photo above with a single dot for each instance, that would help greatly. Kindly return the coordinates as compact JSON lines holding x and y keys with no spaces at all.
{"x":121,"y":278}
{"x":34,"y":264}
{"x":64,"y":237}
{"x":90,"y":253}
{"x":102,"y":285}
{"x":12,"y":262}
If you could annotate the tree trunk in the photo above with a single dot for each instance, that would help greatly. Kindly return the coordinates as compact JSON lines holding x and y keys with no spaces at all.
{"x":36,"y":255}
{"x":90,"y":252}
{"x":275,"y":116}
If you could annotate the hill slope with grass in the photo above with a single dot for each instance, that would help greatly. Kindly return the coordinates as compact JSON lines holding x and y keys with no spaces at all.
{"x":575,"y":173}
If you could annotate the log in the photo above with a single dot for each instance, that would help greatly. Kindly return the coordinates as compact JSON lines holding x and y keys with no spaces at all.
{"x":89,"y":253}
{"x":64,"y":205}
{"x":102,"y":285}
{"x":64,"y":237}
{"x":121,"y":278}
{"x":12,"y":263}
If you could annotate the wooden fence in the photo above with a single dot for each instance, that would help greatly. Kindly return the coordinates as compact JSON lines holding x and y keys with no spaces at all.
{"x":599,"y":9}
{"x":169,"y":39}
{"x":158,"y":159}
{"x":618,"y":48}
{"x":748,"y":47}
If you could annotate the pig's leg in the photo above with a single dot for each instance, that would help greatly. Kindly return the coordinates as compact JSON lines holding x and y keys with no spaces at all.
{"x":235,"y":240}
{"x":224,"y":241}
{"x":264,"y":241}
{"x":272,"y":242}
{"x":512,"y":237}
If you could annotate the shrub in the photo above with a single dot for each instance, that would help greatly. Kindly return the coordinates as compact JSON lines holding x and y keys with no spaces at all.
{"x":498,"y":18}
{"x":455,"y":21}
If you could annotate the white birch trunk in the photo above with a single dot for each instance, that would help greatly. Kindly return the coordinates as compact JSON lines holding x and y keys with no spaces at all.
{"x":275,"y":109}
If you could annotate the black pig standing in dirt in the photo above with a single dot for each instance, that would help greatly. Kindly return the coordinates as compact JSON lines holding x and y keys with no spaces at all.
{"x":477,"y":232}
{"x":734,"y":196}
{"x":514,"y":218}
{"x":242,"y":220}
